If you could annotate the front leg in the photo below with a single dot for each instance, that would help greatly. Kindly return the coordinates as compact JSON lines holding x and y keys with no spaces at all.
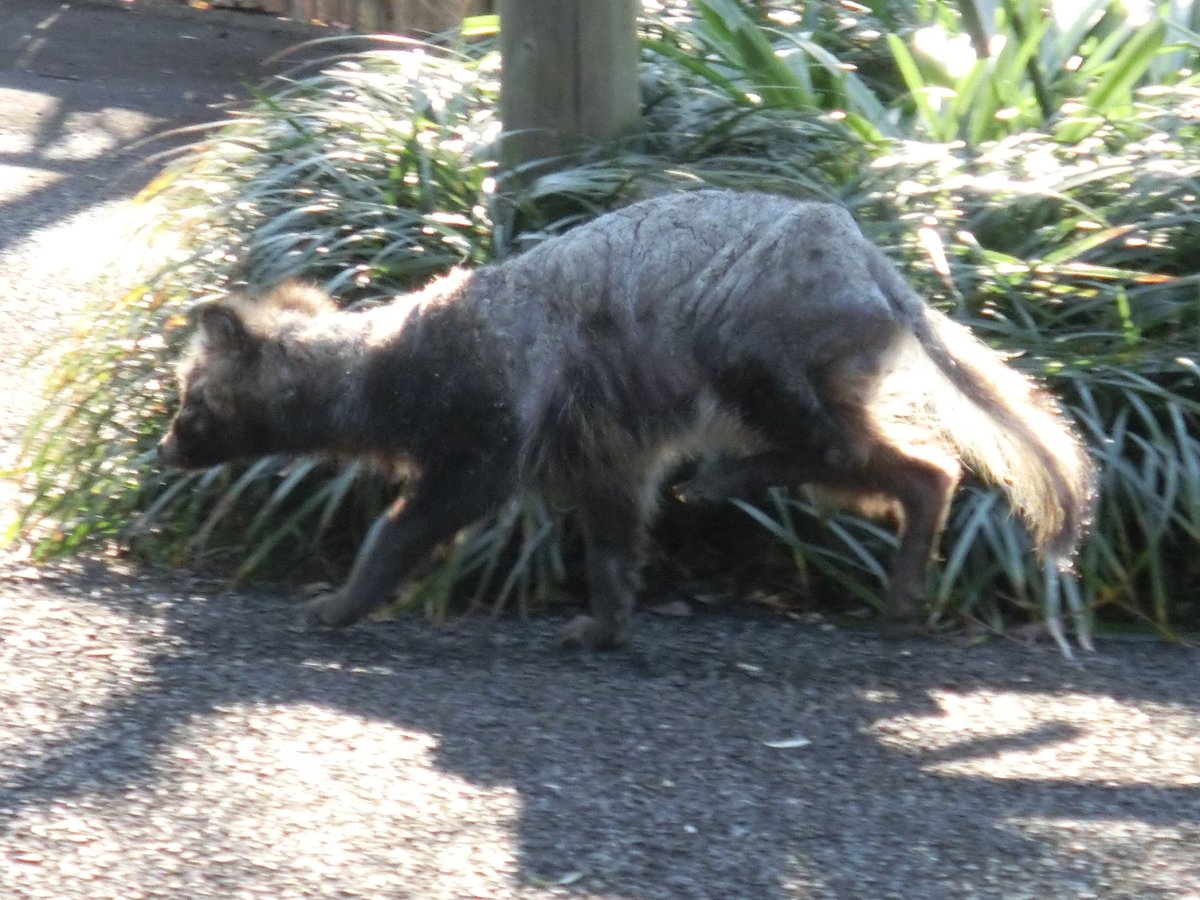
{"x":445,"y":501}
{"x":614,"y":530}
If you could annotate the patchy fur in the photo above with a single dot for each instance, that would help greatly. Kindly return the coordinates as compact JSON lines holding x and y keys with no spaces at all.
{"x":764,"y":335}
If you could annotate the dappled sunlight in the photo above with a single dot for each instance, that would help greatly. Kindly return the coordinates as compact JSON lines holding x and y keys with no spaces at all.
{"x":1134,"y":856}
{"x":1051,"y":737}
{"x":441,"y":837}
{"x":204,"y":780}
{"x":953,"y":51}
{"x":209,"y":784}
{"x":52,"y":135}
{"x":13,"y":143}
{"x":77,"y":146}
{"x":163,"y":735}
{"x":19,"y":181}
{"x":59,"y":274}
{"x":41,"y":640}
{"x":105,"y":241}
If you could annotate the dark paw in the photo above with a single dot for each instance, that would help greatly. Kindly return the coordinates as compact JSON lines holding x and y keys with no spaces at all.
{"x":702,"y":490}
{"x":325,"y":612}
{"x":586,"y":633}
{"x":897,"y":628}
{"x":904,"y":613}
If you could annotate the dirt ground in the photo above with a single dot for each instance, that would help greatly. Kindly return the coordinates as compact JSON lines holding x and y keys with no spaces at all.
{"x":162,"y":738}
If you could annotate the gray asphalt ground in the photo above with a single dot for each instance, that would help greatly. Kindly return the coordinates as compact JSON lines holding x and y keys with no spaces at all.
{"x":161,"y":739}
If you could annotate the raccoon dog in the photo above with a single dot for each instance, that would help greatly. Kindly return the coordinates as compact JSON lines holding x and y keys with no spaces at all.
{"x":762,"y":335}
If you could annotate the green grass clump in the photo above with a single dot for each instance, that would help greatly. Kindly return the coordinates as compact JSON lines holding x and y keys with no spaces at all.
{"x":1044,"y":191}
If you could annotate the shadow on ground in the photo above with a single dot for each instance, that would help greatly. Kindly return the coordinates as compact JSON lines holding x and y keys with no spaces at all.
{"x":727,"y":755}
{"x":155,"y":740}
{"x":83,"y":84}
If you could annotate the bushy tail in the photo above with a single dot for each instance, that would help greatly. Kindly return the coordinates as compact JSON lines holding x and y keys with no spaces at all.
{"x":1009,"y":428}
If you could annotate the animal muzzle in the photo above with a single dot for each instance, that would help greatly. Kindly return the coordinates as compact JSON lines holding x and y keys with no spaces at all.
{"x":168,"y":450}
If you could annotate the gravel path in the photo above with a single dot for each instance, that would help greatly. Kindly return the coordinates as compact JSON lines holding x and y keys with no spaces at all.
{"x":161,"y":739}
{"x":157,"y":740}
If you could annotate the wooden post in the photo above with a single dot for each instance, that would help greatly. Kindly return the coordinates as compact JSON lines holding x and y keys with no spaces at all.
{"x":570,"y":71}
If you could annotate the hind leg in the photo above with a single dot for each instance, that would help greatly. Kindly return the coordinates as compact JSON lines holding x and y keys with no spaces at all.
{"x":846,"y":453}
{"x":822,"y":433}
{"x":922,"y":487}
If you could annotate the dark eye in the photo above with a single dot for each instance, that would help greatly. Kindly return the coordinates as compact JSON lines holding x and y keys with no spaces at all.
{"x":219,"y":404}
{"x":195,"y":415}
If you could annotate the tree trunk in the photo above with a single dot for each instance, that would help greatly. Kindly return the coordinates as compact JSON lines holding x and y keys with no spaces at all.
{"x":570,"y":71}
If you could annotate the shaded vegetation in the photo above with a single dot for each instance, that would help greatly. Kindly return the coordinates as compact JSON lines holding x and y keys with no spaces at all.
{"x":1037,"y":177}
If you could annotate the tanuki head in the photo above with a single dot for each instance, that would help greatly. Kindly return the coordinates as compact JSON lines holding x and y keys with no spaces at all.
{"x":240,"y":377}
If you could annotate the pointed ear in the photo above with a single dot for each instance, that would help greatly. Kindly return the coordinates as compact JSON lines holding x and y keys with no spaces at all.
{"x":298,"y":296}
{"x":223,"y":329}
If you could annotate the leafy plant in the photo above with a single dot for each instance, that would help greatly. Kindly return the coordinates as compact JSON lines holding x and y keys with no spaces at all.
{"x":369,"y":175}
{"x":1076,"y":70}
{"x":756,"y":64}
{"x":1046,"y":194}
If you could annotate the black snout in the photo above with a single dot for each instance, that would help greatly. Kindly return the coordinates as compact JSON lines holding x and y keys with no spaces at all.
{"x":181,"y":449}
{"x":168,"y":450}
